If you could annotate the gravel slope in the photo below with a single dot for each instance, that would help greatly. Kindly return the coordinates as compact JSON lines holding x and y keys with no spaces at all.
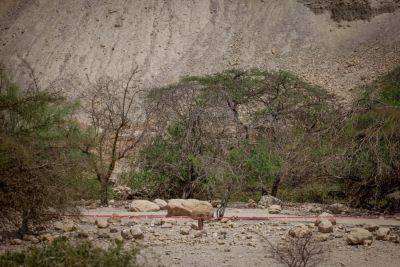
{"x":77,"y":41}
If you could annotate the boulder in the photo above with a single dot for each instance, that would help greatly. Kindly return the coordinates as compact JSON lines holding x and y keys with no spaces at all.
{"x":299,"y":231}
{"x":322,"y":237}
{"x":358,"y":236}
{"x":161,"y":203}
{"x":274,"y":209}
{"x":325,"y":226}
{"x":267,"y":201}
{"x":184,"y":231}
{"x":102,"y":223}
{"x":189,"y":207}
{"x":136,"y":232}
{"x":251,"y":204}
{"x":68,"y":226}
{"x":312,"y":208}
{"x":382,"y":233}
{"x":325,"y":216}
{"x":126,"y":234}
{"x":143,"y":206}
{"x":394,"y":201}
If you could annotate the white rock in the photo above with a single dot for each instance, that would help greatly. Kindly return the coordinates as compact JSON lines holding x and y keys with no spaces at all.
{"x":161,"y":203}
{"x":184,"y":231}
{"x":189,"y":207}
{"x":382,"y":233}
{"x":137,"y":233}
{"x":322,"y":237}
{"x":325,"y":226}
{"x":143,"y":206}
{"x":299,"y":231}
{"x":102,"y":223}
{"x":68,"y":226}
{"x":358,"y":236}
{"x":274,"y":209}
{"x":325,"y":216}
{"x":126,"y":234}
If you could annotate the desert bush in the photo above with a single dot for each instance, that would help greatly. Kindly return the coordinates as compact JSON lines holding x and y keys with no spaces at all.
{"x":202,"y":121}
{"x":39,"y":160}
{"x":116,"y":125}
{"x":371,"y":163}
{"x":296,"y":251}
{"x":63,"y":253}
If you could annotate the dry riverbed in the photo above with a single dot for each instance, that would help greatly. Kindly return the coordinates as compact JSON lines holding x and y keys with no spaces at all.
{"x":230,"y":242}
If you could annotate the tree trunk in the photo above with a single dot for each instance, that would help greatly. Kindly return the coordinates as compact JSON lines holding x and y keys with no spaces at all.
{"x":104,"y":193}
{"x":275,"y":186}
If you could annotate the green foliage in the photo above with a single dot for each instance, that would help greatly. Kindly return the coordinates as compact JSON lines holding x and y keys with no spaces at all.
{"x":255,"y":164}
{"x":371,"y":167}
{"x":63,"y":253}
{"x":235,"y":127}
{"x":38,"y":157}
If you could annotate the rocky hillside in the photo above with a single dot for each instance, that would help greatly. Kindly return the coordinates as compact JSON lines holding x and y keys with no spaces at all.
{"x":336,"y":44}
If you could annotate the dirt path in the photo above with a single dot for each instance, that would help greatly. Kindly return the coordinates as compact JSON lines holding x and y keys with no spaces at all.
{"x":257,"y":215}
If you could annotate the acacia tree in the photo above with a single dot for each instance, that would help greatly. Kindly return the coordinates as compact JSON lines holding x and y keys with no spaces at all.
{"x":39,"y":159}
{"x":234,"y":108}
{"x":117,"y":125}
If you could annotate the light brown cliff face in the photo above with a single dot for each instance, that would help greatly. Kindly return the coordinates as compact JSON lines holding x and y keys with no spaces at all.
{"x":81,"y":40}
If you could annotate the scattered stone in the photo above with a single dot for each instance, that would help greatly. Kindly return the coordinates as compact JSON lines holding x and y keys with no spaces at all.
{"x":189,"y":207}
{"x":274,"y":209}
{"x":299,"y":231}
{"x":198,"y":234}
{"x":251,"y":204}
{"x":82,"y":234}
{"x":126,"y":234}
{"x":313,"y":208}
{"x":161,"y":203}
{"x":31,"y":239}
{"x":394,"y":238}
{"x":358,"y":236}
{"x":337,"y":208}
{"x":114,"y":219}
{"x":325,"y":226}
{"x":321,"y":237}
{"x":16,"y":242}
{"x":101,"y":223}
{"x":166,"y":225}
{"x":394,"y":201}
{"x":325,"y":216}
{"x":184,"y":231}
{"x":368,"y":242}
{"x":104,"y":235}
{"x":220,"y":242}
{"x":48,"y":237}
{"x":143,"y":206}
{"x":337,"y":235}
{"x":371,"y":227}
{"x":267,"y":201}
{"x":113,"y":230}
{"x":382,"y":233}
{"x":137,"y":233}
{"x":224,"y":220}
{"x":67,"y":226}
